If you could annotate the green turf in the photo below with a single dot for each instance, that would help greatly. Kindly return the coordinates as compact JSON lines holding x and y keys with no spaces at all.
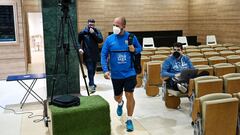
{"x":92,"y":117}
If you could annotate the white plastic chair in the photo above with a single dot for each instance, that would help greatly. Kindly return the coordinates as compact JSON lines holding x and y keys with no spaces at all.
{"x":182,"y":40}
{"x":148,"y":42}
{"x":211,"y":40}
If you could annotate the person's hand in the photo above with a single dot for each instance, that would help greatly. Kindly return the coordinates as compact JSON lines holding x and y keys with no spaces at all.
{"x":81,"y":51}
{"x":107,"y":75}
{"x":91,"y":30}
{"x":131,"y":48}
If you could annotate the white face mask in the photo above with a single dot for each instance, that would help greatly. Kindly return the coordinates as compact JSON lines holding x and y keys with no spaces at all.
{"x":116,"y":30}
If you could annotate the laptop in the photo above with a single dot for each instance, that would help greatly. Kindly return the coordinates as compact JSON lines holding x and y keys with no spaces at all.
{"x":187,"y":74}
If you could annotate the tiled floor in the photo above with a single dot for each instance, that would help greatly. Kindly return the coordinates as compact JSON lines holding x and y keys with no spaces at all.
{"x":151,"y":117}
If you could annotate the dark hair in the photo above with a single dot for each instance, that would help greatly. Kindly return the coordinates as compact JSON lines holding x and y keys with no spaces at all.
{"x":179,"y":45}
{"x":91,"y":20}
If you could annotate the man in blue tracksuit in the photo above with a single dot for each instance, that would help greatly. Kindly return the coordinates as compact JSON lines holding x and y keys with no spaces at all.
{"x":122,"y":70}
{"x":89,"y":38}
{"x":173,"y":66}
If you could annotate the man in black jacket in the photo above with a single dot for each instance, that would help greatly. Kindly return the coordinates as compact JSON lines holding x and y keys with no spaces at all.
{"x":89,"y":38}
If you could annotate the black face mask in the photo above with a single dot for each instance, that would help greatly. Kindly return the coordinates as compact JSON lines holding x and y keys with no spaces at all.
{"x":176,"y":54}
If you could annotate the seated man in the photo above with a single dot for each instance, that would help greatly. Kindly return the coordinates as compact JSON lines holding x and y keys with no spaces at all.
{"x":173,"y":66}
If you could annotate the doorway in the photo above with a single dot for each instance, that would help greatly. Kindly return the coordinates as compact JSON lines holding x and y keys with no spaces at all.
{"x":36,"y":43}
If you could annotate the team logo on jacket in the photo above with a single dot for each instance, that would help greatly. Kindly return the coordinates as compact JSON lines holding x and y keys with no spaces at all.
{"x":122,"y":59}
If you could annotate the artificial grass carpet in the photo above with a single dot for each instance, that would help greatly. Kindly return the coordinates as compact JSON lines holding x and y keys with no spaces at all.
{"x":92,"y":117}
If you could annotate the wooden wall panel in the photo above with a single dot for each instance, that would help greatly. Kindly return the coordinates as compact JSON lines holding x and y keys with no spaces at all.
{"x":141,"y":15}
{"x":11,"y":66}
{"x":218,"y":17}
{"x":194,"y":17}
{"x":90,"y":9}
{"x":12,"y":54}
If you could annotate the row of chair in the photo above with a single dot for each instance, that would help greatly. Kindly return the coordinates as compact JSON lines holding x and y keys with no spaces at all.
{"x":152,"y":69}
{"x":219,"y":69}
{"x":215,"y":63}
{"x":148,"y":42}
{"x":201,"y":60}
{"x":205,"y":52}
{"x":217,"y":47}
{"x":200,"y":47}
{"x":211,"y":53}
{"x":215,"y":60}
{"x":200,"y":86}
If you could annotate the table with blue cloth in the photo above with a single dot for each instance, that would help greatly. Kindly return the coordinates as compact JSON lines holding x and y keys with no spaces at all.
{"x":91,"y":117}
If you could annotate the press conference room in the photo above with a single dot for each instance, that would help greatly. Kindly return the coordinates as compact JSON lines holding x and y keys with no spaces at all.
{"x":64,"y":70}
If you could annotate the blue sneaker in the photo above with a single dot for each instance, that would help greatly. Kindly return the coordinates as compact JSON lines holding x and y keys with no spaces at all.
{"x":129,"y":125}
{"x":119,"y":109}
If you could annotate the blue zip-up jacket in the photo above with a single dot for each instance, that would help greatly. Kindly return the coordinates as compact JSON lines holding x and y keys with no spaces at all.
{"x":121,"y":64}
{"x":90,"y":43}
{"x":172,"y":66}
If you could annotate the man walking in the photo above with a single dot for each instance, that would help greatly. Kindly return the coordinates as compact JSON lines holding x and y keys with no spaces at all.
{"x":89,"y":38}
{"x":123,"y":74}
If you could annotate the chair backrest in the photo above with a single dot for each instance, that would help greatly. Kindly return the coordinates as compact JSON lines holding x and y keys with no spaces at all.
{"x":219,"y":117}
{"x":221,"y":69}
{"x":162,"y":52}
{"x":191,"y":47}
{"x":211,"y":40}
{"x":233,"y":48}
{"x":216,"y":59}
{"x":203,"y":46}
{"x":207,"y":84}
{"x":214,"y":96}
{"x":153,"y":72}
{"x":228,"y":44}
{"x":164,"y":48}
{"x":237,"y":52}
{"x":218,"y":49}
{"x":183,"y":40}
{"x":149,"y":49}
{"x":193,"y":50}
{"x":237,"y":65}
{"x":231,"y":83}
{"x":194,"y":54}
{"x":147,"y":53}
{"x":148,"y":42}
{"x":158,"y":57}
{"x":208,"y":49}
{"x":199,"y":61}
{"x":233,"y":58}
{"x":226,"y":53}
{"x":210,"y":54}
{"x":215,"y":46}
{"x":204,"y":68}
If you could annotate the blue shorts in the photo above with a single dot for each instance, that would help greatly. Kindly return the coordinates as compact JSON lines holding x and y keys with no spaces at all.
{"x":127,"y":84}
